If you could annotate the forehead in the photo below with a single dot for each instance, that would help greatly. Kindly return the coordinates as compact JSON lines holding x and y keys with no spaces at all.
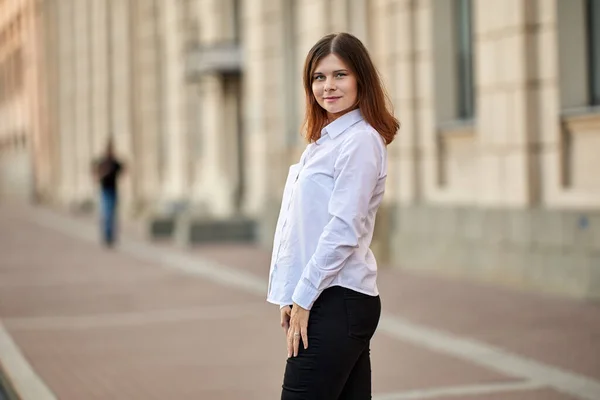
{"x":330,"y":62}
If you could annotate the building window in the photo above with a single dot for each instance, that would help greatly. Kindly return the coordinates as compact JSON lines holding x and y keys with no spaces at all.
{"x":192,"y":26}
{"x":11,"y":75}
{"x":2,"y":82}
{"x":593,"y":50}
{"x":231,"y":14}
{"x":237,"y":21}
{"x":357,"y":15}
{"x":453,"y":61}
{"x":578,"y":26}
{"x":18,"y":69}
{"x":464,"y":54}
{"x":292,"y":65}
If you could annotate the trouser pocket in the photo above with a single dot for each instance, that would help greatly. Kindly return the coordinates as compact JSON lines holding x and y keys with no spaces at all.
{"x":362,"y":312}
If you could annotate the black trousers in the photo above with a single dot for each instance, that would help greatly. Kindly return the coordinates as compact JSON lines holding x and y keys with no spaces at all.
{"x":337,"y":363}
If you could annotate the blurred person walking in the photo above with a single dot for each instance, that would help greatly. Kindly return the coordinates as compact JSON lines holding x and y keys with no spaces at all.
{"x":323,"y":273}
{"x":107,"y":171}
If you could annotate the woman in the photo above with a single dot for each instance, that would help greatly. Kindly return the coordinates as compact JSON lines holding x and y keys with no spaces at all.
{"x":322,"y":266}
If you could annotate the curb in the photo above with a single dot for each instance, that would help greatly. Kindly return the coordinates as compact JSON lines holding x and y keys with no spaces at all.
{"x":7,"y":392}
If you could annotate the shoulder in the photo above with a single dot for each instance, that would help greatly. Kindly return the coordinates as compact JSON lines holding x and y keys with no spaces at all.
{"x":363,"y":136}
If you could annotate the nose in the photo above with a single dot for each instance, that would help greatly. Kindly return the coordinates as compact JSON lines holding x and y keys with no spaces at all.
{"x":329,"y":85}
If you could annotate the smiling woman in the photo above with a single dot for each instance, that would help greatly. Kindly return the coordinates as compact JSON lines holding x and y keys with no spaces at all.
{"x":334,"y":86}
{"x":355,"y":74}
{"x":323,"y":273}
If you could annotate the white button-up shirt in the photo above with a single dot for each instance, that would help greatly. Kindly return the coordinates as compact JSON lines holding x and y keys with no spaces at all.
{"x":327,"y":215}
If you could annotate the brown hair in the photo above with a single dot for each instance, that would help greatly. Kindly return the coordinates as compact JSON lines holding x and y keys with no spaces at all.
{"x":372,"y":99}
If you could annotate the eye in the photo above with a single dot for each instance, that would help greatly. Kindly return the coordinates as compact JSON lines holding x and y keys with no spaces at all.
{"x":340,"y":74}
{"x":318,"y":77}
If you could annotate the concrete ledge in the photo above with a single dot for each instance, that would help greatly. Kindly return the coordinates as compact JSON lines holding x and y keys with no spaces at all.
{"x":191,"y":230}
{"x":86,"y":206}
{"x":160,"y":219}
{"x":160,"y":227}
{"x":268,"y":223}
{"x":384,"y":225}
{"x":554,"y":251}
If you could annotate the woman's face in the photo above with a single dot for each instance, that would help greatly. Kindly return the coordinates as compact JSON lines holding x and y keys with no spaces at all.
{"x":334,"y":86}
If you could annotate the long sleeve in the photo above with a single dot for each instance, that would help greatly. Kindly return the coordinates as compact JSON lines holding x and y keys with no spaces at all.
{"x":356,"y":172}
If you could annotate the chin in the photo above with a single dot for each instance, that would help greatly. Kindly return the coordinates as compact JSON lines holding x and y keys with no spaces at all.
{"x":339,"y":110}
{"x":334,"y":110}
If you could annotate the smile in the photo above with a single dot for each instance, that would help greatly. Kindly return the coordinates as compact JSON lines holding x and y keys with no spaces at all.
{"x":331,"y":99}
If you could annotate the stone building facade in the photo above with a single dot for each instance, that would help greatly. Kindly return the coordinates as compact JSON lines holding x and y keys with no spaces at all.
{"x":21,"y":114}
{"x":113,"y":73}
{"x":494,"y":174}
{"x":138,"y":71}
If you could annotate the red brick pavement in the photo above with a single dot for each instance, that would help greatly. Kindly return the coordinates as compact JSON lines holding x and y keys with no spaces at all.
{"x":554,"y":330}
{"x":98,"y":324}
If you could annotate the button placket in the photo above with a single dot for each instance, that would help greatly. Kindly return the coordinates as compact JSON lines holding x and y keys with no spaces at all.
{"x":310,"y":151}
{"x":284,"y":223}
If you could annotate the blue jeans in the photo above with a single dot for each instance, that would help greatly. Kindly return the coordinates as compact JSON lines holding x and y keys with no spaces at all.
{"x":108,"y":210}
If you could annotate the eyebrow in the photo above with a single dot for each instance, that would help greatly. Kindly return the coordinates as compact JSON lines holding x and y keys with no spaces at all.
{"x":337,"y":70}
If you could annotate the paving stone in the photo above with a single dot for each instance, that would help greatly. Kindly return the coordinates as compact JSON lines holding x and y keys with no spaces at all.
{"x":100,"y":324}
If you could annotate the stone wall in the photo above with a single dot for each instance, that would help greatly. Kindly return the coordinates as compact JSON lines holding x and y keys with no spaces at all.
{"x":550,"y":250}
{"x":16,"y":178}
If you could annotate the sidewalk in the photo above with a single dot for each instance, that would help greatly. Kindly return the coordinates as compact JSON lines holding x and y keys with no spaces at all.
{"x":148,"y":321}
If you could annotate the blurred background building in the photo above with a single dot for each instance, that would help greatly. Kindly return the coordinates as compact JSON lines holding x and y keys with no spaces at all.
{"x":494,"y":175}
{"x":21,"y":122}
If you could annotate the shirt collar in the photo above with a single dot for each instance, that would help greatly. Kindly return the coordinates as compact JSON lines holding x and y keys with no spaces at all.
{"x":340,"y":125}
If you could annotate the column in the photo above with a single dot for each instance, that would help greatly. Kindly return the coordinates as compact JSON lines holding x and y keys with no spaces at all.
{"x":66,"y":98}
{"x":147,"y":111}
{"x":121,"y":92}
{"x":503,"y":90}
{"x":83,"y":128}
{"x":174,"y":183}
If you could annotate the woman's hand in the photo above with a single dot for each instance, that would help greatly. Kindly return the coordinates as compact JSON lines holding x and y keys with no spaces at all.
{"x":285,"y":318}
{"x":298,"y":328}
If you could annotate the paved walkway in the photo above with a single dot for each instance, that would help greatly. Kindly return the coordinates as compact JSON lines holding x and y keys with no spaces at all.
{"x":149,"y":321}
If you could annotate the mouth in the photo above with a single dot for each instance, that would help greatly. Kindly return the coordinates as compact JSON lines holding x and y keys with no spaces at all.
{"x":331,"y":99}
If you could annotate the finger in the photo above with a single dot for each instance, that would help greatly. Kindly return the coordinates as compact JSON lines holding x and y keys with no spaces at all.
{"x":290,"y":341}
{"x":304,"y":333}
{"x":285,"y":319}
{"x":296,"y":343}
{"x":286,"y":326}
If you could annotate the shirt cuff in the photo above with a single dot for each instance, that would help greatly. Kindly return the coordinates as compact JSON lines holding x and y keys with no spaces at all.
{"x":284,"y":305}
{"x":305,"y":295}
